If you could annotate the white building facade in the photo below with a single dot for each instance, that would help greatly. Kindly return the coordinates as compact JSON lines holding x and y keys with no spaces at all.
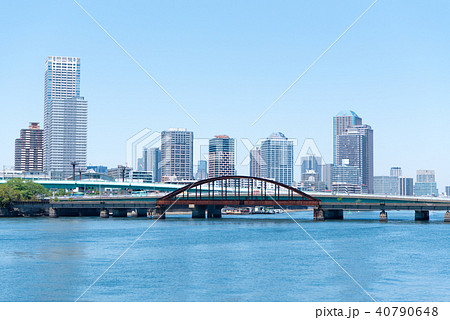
{"x":65,"y":118}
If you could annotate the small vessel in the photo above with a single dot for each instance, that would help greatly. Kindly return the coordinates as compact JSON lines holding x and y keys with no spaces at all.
{"x":104,"y":214}
{"x":132,"y":214}
{"x":237,"y":210}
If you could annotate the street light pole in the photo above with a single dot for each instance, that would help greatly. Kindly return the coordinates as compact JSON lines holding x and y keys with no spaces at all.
{"x":73,"y":163}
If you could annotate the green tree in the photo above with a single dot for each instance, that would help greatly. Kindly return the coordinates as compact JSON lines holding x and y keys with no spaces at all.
{"x":8,"y":195}
{"x":20,"y":190}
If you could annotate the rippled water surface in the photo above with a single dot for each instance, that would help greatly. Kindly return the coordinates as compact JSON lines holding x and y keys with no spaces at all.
{"x":245,"y":258}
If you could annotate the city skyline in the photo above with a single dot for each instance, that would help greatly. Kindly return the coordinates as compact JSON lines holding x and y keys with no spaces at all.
{"x":381,"y":103}
{"x":226,"y":151}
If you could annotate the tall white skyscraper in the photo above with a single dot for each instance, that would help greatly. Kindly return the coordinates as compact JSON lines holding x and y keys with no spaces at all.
{"x":355,"y":148}
{"x":65,"y":117}
{"x":177,"y":145}
{"x":341,"y":122}
{"x":278,"y":160}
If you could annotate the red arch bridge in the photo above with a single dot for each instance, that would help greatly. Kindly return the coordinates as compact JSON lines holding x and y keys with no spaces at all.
{"x":208,"y":197}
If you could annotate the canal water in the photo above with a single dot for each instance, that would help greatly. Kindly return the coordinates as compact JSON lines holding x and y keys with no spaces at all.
{"x":236,"y":258}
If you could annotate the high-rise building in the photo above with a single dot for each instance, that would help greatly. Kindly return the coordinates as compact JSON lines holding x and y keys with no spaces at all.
{"x":310,"y":182}
{"x":255,"y":162}
{"x":29,"y":154}
{"x":202,"y":170}
{"x":140,"y":164}
{"x":311,"y":162}
{"x":177,"y":147}
{"x":447,"y":191}
{"x":341,"y":122}
{"x":278,"y":160}
{"x":425,"y":176}
{"x":386,"y":185}
{"x":328,"y":175}
{"x":396,"y":172}
{"x":346,"y":179}
{"x":221,"y":156}
{"x":405,"y":186}
{"x":152,"y":162}
{"x":354,"y":147}
{"x":65,"y":117}
{"x":425,"y":183}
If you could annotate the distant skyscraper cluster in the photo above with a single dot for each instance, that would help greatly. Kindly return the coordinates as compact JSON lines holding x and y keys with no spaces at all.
{"x":62,"y":145}
{"x":63,"y":140}
{"x":174,"y":160}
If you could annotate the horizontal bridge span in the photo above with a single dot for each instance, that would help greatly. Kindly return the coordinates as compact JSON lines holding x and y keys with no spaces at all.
{"x":388,"y":206}
{"x":233,"y":202}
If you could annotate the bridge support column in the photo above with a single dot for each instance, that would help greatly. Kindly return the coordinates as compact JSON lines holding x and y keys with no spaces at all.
{"x":198,"y":212}
{"x":331,"y":214}
{"x":104,"y":213}
{"x":383,"y":216}
{"x":422,"y":215}
{"x":52,"y":213}
{"x":447,"y":217}
{"x":159,"y":212}
{"x":318,"y":214}
{"x":119,"y":213}
{"x":214,"y":211}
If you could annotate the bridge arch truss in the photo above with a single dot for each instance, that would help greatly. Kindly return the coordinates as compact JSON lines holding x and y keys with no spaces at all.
{"x":238,"y":190}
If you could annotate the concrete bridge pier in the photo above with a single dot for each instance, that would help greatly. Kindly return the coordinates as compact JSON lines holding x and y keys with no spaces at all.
{"x":198,"y":211}
{"x":159,"y":212}
{"x":422,"y":215}
{"x":318,"y":214}
{"x":447,"y":217}
{"x":214,"y":211}
{"x":52,"y":213}
{"x":104,"y":213}
{"x":328,"y":214}
{"x":383,"y":216}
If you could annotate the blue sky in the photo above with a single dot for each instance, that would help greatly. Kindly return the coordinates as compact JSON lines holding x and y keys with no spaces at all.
{"x":226,"y":61}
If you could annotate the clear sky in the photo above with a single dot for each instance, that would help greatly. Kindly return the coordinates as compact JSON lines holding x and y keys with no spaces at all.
{"x":226,"y":61}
